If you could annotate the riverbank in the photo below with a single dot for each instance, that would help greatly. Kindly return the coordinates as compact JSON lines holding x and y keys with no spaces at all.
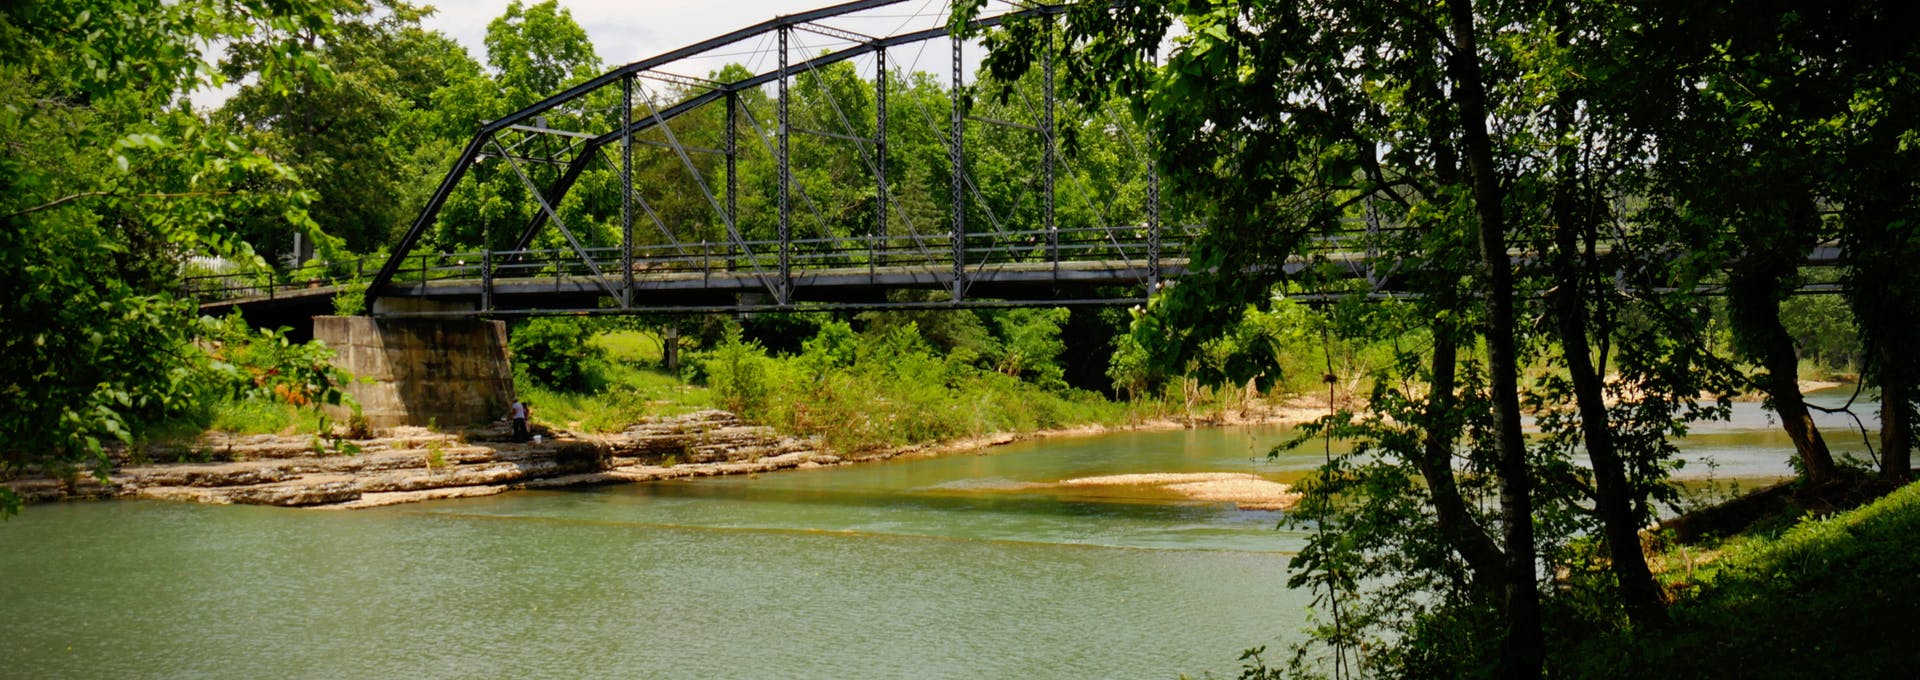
{"x":1790,"y":594}
{"x":407,"y":465}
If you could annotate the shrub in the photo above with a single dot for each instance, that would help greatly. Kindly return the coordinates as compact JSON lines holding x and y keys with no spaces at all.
{"x":556,"y":353}
{"x":886,"y":387}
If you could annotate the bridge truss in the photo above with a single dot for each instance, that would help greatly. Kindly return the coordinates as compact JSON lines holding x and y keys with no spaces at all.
{"x":977,"y":256}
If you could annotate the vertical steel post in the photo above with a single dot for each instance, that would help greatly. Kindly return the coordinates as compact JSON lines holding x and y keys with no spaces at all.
{"x":626,"y":190}
{"x":1047,"y":139}
{"x":486,"y":280}
{"x":880,"y":149}
{"x":957,"y":160}
{"x":1153,"y":227}
{"x":786,"y":178}
{"x":733,"y":173}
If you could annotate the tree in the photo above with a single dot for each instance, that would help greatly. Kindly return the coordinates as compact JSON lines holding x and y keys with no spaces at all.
{"x":111,"y":183}
{"x":1743,"y":163}
{"x":1780,"y":129}
{"x":538,"y":50}
{"x":1234,"y":133}
{"x":354,"y":131}
{"x":533,"y":51}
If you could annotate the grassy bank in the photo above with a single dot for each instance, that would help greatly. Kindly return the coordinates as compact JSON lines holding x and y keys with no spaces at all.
{"x":1830,"y":598}
{"x":865,"y":392}
{"x":626,"y":384}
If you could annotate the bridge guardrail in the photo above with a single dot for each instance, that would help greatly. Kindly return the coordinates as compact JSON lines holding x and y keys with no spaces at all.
{"x":706,"y":258}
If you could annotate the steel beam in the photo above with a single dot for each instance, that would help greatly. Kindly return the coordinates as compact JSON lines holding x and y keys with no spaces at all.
{"x":1046,"y":137}
{"x":1153,"y":227}
{"x":880,"y":146}
{"x":551,"y":131}
{"x":560,"y":188}
{"x":833,"y":135}
{"x":684,"y":81}
{"x":693,"y":171}
{"x":956,"y":160}
{"x":733,"y":171}
{"x":688,"y":147}
{"x":626,"y":191}
{"x":431,"y":211}
{"x":785,"y":293}
{"x":834,"y":32}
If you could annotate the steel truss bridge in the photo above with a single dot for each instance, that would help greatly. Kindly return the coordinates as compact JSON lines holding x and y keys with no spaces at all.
{"x":976,"y":255}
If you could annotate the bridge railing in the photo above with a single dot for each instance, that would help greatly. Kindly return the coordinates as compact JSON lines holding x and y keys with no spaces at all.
{"x":934,"y":254}
{"x":275,"y":283}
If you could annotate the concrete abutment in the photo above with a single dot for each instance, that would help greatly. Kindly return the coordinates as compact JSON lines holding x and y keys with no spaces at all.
{"x":446,"y":372}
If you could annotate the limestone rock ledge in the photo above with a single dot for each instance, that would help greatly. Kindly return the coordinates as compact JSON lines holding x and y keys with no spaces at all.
{"x":413,"y":464}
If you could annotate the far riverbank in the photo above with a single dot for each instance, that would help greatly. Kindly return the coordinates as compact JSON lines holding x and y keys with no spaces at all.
{"x":407,"y":465}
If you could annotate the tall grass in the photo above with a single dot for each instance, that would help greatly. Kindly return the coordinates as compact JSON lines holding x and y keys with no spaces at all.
{"x":885,"y":389}
{"x":623,"y":394}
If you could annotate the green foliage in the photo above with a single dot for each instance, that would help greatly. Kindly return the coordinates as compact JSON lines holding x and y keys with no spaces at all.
{"x":738,"y":373}
{"x":1823,"y":329}
{"x":109,"y":188}
{"x":538,"y":50}
{"x":1408,"y":606}
{"x":1631,"y":152}
{"x":348,"y":130}
{"x":556,"y":352}
{"x":253,"y":416}
{"x":886,"y":387}
{"x":436,"y":455}
{"x":953,"y":332}
{"x":1033,"y":346}
{"x":630,"y":346}
{"x":626,"y":386}
{"x":1827,"y":598}
{"x":1283,"y":346}
{"x":264,"y":365}
{"x":350,"y":302}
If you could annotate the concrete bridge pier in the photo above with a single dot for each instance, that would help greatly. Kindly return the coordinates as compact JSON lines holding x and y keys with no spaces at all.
{"x":445,"y":372}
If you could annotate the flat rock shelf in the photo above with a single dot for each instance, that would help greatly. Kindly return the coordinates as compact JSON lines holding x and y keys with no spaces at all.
{"x":415,"y":464}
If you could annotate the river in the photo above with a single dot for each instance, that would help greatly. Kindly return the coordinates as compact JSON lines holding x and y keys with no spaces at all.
{"x":959,"y":566}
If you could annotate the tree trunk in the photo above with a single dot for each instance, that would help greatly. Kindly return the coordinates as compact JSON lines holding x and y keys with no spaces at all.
{"x":1612,"y":494}
{"x":1466,"y":536}
{"x":1896,"y":429}
{"x":670,"y":348}
{"x":1523,"y":649}
{"x":1755,"y":302}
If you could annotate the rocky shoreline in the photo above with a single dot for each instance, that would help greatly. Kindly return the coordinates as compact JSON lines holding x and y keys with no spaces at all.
{"x":415,"y":464}
{"x":412,"y":464}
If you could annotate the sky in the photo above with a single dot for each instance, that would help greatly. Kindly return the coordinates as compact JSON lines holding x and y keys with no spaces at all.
{"x":624,"y":31}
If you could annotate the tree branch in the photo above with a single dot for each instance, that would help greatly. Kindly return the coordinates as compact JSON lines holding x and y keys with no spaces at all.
{"x":91,"y":194}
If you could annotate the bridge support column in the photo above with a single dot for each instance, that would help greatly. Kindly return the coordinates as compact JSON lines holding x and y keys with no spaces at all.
{"x":445,"y":372}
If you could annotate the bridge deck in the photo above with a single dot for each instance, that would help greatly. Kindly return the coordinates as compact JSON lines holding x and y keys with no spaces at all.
{"x":710,"y":289}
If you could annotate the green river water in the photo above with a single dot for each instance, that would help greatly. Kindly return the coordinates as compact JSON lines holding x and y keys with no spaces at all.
{"x":952,"y":567}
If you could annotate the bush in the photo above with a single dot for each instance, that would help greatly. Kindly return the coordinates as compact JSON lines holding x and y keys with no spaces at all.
{"x":556,"y":353}
{"x":740,"y":374}
{"x":887,"y":387}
